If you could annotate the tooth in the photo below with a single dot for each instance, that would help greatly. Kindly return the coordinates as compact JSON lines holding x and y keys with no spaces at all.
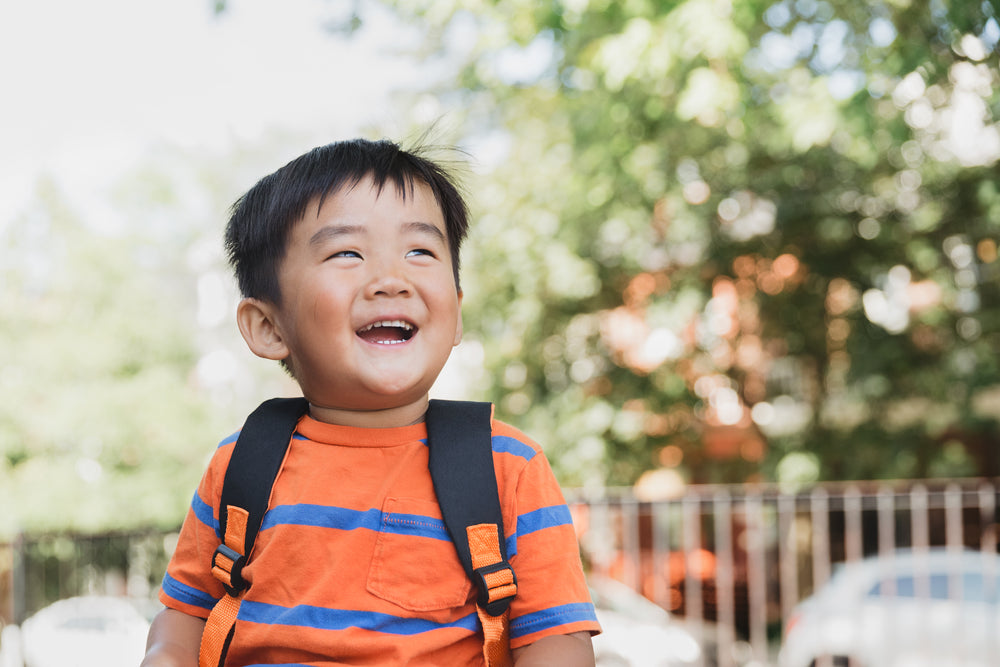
{"x":388,"y":323}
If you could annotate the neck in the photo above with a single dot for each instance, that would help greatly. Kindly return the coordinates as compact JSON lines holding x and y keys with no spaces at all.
{"x":403,"y":415}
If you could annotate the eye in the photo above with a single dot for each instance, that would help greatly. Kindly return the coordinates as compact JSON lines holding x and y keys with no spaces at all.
{"x":351,"y":254}
{"x":416,"y":252}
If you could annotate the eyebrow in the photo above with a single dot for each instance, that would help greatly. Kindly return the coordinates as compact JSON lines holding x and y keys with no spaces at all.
{"x":335,"y":231}
{"x":425,"y":228}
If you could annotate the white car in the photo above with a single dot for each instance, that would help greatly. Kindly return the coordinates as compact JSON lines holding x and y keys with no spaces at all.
{"x":905,"y":609}
{"x":84,"y":631}
{"x":638,"y":632}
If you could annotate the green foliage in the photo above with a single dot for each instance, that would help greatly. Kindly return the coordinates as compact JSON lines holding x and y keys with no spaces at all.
{"x":100,"y":424}
{"x":747,"y":239}
{"x":728,"y":232}
{"x":108,"y":410}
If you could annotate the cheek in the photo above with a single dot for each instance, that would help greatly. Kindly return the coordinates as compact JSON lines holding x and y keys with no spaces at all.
{"x":326,"y":307}
{"x":454,"y":329}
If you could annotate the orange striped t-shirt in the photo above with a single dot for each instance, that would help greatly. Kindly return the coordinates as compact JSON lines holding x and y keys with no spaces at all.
{"x":353,"y":564}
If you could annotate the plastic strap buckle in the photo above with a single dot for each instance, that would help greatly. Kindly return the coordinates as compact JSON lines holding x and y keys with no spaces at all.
{"x":497,"y":585}
{"x":227,"y":566}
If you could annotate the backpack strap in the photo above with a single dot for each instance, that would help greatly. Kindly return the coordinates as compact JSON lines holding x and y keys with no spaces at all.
{"x":459,"y":434}
{"x":246,"y":490}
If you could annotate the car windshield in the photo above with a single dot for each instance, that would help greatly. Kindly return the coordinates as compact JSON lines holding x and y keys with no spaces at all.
{"x":970,"y":586}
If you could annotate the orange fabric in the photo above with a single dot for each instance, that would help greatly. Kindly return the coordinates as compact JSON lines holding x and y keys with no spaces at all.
{"x":485,"y":548}
{"x":220,"y":623}
{"x":484,"y":545}
{"x":501,"y":584}
{"x":236,"y":527}
{"x":353,"y":564}
{"x":496,"y":644}
{"x":223,"y":617}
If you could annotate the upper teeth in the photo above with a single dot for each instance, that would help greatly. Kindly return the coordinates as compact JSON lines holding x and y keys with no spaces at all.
{"x":389,"y":323}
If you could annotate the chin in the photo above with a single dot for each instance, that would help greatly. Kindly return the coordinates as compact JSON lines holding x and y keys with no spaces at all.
{"x":388,"y":398}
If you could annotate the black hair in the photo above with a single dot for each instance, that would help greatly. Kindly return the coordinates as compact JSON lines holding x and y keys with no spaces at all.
{"x":260,"y":221}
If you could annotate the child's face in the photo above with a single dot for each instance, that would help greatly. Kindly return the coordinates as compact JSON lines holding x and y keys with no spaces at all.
{"x":370,"y":310}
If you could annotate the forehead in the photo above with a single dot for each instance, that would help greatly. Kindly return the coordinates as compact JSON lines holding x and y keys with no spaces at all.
{"x":413,"y":197}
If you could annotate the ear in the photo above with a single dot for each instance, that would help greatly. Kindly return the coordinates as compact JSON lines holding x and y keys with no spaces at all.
{"x":458,"y":326}
{"x":256,"y":320}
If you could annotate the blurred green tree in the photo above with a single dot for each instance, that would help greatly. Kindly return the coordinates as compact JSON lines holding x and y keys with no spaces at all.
{"x":119,"y":372}
{"x":745,"y":239}
{"x":98,"y":416}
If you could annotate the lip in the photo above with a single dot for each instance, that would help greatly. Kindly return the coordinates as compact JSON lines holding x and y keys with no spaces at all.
{"x":368,"y":332}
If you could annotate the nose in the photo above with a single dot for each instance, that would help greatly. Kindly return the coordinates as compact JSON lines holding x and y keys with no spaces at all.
{"x":388,"y":279}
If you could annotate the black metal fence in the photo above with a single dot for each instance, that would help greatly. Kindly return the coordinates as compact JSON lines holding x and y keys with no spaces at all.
{"x":36,"y":570}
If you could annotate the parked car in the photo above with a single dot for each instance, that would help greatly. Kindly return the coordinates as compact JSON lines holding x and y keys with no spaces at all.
{"x":640,"y":633}
{"x":908,"y":608}
{"x":82,"y":631}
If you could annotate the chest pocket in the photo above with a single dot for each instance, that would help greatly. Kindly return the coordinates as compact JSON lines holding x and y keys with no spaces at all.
{"x":415,"y":564}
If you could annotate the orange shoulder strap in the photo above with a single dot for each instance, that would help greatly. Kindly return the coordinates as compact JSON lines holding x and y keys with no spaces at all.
{"x":227,"y":564}
{"x":254,"y":465}
{"x":500,"y":585}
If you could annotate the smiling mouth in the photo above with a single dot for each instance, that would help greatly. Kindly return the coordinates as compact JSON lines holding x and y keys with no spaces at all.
{"x":387,"y":332}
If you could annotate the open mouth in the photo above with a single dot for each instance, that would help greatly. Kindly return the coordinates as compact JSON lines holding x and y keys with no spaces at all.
{"x":387,"y":332}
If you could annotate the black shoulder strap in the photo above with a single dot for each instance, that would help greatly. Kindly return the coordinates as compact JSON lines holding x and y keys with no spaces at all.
{"x":460,"y":436}
{"x":256,"y":459}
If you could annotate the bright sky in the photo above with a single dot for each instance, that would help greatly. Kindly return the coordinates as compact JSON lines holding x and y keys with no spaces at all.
{"x":86,"y":86}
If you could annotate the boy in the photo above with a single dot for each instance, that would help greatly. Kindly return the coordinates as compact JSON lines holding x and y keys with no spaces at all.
{"x":347,"y":259}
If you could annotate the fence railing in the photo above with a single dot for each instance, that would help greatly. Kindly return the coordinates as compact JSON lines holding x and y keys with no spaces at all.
{"x":36,"y":570}
{"x":741,"y":557}
{"x":738,"y":557}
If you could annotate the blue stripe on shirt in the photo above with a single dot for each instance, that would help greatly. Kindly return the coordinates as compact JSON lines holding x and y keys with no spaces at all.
{"x":545,"y":517}
{"x":552,"y":617}
{"x":340,"y":518}
{"x":204,"y":513}
{"x":400,"y":524}
{"x":413,"y":525}
{"x":186,"y":594}
{"x":511,"y":542}
{"x":506,"y":445}
{"x":321,"y":516}
{"x":339,"y":619}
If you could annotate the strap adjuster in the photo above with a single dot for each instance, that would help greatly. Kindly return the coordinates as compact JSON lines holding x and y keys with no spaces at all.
{"x":497,"y":586}
{"x":227,"y":566}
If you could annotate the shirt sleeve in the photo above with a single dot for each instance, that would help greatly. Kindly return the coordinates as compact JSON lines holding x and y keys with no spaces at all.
{"x":188,"y":585}
{"x":552,"y":595}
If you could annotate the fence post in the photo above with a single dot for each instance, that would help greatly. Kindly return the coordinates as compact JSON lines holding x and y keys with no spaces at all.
{"x":19,"y":601}
{"x":819,"y":514}
{"x":693,"y":558}
{"x":788,"y":554}
{"x":756,"y":574}
{"x":724,"y":603}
